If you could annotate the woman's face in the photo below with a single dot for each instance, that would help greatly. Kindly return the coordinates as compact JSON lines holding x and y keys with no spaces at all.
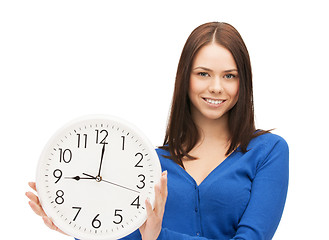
{"x":214,"y":82}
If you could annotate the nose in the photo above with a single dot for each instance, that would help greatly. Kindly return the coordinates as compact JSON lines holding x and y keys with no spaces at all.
{"x":215,"y":85}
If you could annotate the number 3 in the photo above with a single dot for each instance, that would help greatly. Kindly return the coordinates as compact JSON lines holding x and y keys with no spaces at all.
{"x":142,"y":181}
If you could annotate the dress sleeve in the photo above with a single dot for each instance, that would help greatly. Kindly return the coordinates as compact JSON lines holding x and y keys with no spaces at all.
{"x":268,"y":194}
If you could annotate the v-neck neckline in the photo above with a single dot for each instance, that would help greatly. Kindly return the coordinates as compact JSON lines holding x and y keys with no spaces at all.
{"x":219,"y":166}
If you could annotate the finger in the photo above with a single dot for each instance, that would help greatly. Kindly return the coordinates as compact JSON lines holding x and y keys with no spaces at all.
{"x":33,"y":186}
{"x":164,"y":189}
{"x":161,"y":188}
{"x":37,"y":208}
{"x":164,"y":173}
{"x":157,"y":199}
{"x":149,"y":209}
{"x":160,"y":191}
{"x":32,"y":197}
{"x":49,"y":223}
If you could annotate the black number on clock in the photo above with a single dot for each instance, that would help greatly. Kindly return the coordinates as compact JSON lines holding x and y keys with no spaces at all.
{"x":79,"y":209}
{"x":141,"y":181}
{"x":123,"y":142}
{"x":65,"y":155}
{"x":136,"y":203}
{"x":59,"y":199}
{"x":116,"y":214}
{"x":57,"y":174}
{"x":96,"y":223}
{"x":79,"y":140}
{"x":141,"y":158}
{"x":98,"y":133}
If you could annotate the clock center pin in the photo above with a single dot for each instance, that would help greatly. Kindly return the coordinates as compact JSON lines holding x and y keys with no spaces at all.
{"x":98,"y":179}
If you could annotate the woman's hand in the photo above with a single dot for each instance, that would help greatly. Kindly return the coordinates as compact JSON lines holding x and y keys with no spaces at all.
{"x":151,"y":229}
{"x":37,"y":208}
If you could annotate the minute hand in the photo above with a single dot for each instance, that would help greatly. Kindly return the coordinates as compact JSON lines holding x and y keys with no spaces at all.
{"x":102,"y":156}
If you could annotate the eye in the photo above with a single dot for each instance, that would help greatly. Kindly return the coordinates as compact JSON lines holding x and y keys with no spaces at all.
{"x":229,"y":76}
{"x":203,"y":74}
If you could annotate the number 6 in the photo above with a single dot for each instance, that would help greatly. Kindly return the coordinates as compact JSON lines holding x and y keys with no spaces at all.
{"x":98,"y":223}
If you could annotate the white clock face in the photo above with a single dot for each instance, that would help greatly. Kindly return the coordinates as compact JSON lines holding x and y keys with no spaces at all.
{"x":94,"y":176}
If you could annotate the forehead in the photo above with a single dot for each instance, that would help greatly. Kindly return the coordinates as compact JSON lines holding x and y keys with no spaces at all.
{"x":215,"y":57}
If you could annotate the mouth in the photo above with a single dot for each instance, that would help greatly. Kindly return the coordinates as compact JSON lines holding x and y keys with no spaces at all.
{"x":215,"y":102}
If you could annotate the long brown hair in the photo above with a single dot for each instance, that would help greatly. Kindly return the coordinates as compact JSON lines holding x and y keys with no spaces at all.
{"x":182,"y":133}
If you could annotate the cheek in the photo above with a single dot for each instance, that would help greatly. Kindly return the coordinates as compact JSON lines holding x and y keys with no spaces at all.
{"x":236,"y":92}
{"x":194,"y":87}
{"x":233,"y":91}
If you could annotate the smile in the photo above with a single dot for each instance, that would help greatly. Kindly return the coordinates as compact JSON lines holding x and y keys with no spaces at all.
{"x":213,"y":101}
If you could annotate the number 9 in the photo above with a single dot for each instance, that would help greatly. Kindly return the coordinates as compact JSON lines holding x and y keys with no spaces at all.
{"x":57,"y":174}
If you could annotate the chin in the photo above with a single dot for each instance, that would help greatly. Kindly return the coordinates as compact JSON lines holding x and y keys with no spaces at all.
{"x":214,"y":116}
{"x":207,"y":114}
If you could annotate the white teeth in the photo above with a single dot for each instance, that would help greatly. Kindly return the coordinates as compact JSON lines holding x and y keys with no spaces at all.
{"x":213,"y":101}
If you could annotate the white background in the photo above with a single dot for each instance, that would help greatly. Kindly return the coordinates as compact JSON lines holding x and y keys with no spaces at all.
{"x":63,"y":59}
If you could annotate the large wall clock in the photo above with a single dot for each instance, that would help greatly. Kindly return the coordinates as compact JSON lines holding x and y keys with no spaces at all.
{"x":94,"y":176}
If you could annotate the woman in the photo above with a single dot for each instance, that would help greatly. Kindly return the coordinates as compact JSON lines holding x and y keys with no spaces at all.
{"x":226,"y":180}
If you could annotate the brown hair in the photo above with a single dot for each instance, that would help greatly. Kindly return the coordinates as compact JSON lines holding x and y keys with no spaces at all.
{"x":182,"y":134}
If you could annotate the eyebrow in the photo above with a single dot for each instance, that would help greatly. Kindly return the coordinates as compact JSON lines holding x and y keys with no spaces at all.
{"x":208,"y":69}
{"x":203,"y":68}
{"x":231,"y":70}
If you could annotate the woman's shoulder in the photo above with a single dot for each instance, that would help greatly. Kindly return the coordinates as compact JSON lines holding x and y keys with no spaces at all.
{"x":267,"y":140}
{"x":268,"y":148}
{"x":162,"y":152}
{"x":165,"y":160}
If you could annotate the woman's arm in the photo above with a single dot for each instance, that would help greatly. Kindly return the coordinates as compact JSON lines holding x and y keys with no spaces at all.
{"x":268,"y":195}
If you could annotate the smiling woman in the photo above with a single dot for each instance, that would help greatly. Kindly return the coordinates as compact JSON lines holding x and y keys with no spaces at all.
{"x":216,"y":52}
{"x":228,"y":179}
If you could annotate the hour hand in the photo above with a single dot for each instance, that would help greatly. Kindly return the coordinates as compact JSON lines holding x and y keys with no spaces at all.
{"x":78,"y":178}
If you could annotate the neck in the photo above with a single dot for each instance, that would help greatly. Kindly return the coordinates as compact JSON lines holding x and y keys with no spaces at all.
{"x":213,"y":131}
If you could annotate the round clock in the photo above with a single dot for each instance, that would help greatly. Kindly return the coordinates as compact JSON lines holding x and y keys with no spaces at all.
{"x":94,"y":176}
